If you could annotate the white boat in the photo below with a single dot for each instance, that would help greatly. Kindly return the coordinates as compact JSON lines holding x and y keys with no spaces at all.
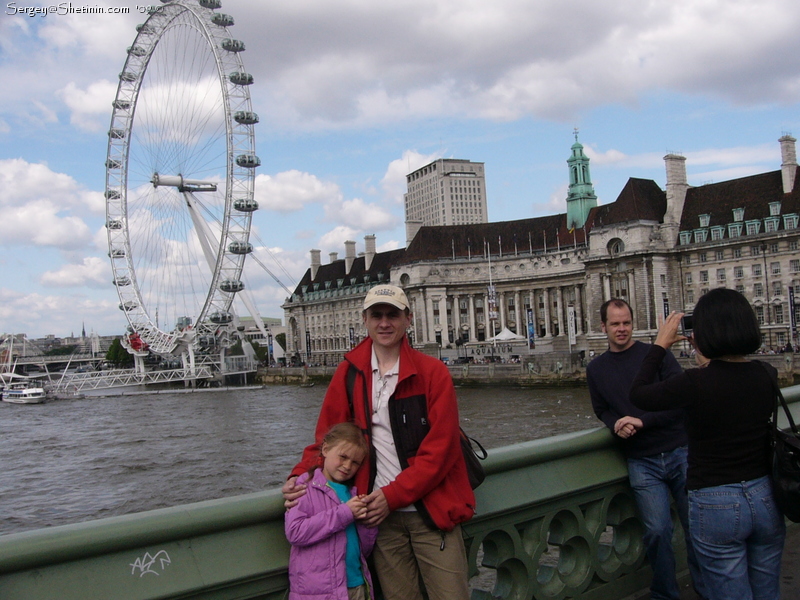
{"x":23,"y":393}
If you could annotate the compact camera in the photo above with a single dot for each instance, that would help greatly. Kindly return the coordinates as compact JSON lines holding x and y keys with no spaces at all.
{"x":687,"y":324}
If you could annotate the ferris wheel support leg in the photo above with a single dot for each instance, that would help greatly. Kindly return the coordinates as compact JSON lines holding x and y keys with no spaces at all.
{"x":138,"y":362}
{"x":189,"y":365}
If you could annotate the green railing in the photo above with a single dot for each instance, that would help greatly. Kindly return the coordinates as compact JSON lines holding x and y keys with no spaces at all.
{"x":556,"y":520}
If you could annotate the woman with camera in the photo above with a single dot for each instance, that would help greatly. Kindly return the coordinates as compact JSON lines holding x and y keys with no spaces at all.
{"x":737,"y":530}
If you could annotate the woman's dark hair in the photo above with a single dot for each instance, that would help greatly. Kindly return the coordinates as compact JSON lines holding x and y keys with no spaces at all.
{"x":725,"y":324}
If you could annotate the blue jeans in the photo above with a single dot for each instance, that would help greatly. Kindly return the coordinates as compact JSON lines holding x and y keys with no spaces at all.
{"x":738,"y":533}
{"x":653,"y":479}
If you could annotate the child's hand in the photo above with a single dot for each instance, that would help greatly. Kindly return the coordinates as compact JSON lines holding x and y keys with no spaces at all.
{"x":358,"y":506}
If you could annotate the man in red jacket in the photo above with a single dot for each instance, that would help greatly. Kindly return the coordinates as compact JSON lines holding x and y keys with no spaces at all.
{"x":417,"y":482}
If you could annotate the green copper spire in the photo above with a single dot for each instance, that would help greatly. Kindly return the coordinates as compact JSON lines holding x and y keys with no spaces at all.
{"x":581,"y":197}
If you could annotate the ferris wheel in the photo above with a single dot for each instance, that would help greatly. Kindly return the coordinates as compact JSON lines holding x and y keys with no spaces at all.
{"x":180,"y":178}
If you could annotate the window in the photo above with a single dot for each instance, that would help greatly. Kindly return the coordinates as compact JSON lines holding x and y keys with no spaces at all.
{"x":773,"y":248}
{"x":771,"y":224}
{"x":704,"y":220}
{"x":758,"y":290}
{"x":794,"y":265}
{"x":775,"y":268}
{"x":740,"y":289}
{"x":738,"y":272}
{"x":703,"y":276}
{"x":737,"y":253}
{"x":738,"y":215}
{"x":778,"y":312}
{"x":777,"y":288}
{"x":720,"y":274}
{"x":663,"y":280}
{"x":703,"y":257}
{"x":688,"y":278}
{"x":790,"y":221}
{"x":734,"y":230}
{"x":756,"y":270}
{"x":717,"y":233}
{"x":686,"y":237}
{"x":793,"y":246}
{"x":753,"y":227}
{"x":755,"y":250}
{"x":690,"y":297}
{"x":760,"y":314}
{"x":774,"y":208}
{"x":720,"y":254}
{"x":700,"y":235}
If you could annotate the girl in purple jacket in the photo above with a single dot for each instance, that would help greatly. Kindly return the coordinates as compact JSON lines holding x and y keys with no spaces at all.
{"x":329,"y":546}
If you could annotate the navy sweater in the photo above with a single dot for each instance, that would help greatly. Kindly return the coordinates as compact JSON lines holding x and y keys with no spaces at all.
{"x":611,"y":376}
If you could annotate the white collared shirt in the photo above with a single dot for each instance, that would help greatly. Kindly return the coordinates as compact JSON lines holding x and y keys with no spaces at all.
{"x":386,"y":461}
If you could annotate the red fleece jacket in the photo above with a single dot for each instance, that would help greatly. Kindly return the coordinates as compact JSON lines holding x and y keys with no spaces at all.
{"x":435,"y":472}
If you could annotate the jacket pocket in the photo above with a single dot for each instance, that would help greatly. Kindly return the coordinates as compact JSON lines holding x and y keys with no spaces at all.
{"x":411,"y":418}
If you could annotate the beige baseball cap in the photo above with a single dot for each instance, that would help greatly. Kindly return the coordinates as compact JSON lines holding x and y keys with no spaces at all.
{"x":386,"y":294}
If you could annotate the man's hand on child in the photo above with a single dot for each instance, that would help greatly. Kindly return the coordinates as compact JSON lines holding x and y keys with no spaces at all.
{"x":292,"y":492}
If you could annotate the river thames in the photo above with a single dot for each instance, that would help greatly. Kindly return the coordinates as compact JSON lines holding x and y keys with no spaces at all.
{"x":75,"y":460}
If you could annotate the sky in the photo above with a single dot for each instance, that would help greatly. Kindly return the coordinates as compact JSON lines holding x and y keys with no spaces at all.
{"x":354,"y":94}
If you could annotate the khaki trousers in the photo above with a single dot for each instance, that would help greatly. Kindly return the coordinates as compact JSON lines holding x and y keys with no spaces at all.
{"x":407,"y":549}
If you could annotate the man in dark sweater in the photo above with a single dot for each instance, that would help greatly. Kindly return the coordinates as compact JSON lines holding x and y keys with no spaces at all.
{"x":653,"y":442}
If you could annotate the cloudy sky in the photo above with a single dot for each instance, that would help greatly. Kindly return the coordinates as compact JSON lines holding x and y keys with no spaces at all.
{"x":354,"y":94}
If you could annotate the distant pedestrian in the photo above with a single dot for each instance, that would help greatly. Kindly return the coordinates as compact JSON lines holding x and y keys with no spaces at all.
{"x":325,"y":528}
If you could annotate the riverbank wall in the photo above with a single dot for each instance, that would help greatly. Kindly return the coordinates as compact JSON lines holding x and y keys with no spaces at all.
{"x":550,"y":370}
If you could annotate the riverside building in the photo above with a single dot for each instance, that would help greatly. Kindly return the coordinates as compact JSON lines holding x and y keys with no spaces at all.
{"x":543,"y":279}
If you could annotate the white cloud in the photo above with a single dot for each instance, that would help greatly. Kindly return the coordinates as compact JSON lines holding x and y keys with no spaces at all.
{"x":92,"y":271}
{"x":291,"y":191}
{"x":333,"y":241}
{"x":394,"y":180}
{"x":38,"y":314}
{"x":360,"y":215}
{"x":37,"y":206}
{"x":91,"y":106}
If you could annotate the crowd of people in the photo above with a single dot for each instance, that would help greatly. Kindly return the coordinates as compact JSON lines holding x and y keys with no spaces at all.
{"x":383,"y":489}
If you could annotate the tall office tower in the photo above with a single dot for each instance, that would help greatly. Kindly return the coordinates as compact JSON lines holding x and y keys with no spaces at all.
{"x":445,"y":192}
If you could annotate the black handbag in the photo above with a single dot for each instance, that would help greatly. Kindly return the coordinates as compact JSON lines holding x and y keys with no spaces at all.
{"x":785,"y":461}
{"x":473,"y":459}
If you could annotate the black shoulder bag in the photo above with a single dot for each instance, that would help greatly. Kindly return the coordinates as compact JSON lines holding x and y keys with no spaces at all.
{"x":785,"y":460}
{"x":472,"y":457}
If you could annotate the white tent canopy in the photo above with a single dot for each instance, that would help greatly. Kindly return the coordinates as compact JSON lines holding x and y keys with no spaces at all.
{"x":507,"y":336}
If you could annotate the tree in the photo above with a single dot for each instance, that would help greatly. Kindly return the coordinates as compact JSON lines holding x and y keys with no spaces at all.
{"x":118,"y":356}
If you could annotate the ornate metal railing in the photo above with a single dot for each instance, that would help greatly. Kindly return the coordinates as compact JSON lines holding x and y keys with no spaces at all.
{"x":556,"y":520}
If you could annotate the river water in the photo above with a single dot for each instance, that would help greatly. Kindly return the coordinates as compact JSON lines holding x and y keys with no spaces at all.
{"x":75,"y":460}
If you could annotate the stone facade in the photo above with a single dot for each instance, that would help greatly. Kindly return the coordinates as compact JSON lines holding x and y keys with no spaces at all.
{"x":658,"y":249}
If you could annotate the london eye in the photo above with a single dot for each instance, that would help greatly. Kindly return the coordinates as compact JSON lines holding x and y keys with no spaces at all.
{"x":180,"y":178}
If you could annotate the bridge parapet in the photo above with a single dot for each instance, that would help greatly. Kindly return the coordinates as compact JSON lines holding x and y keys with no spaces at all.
{"x":556,"y":520}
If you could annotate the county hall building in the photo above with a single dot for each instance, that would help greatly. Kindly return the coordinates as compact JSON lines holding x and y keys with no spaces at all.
{"x":540,"y":281}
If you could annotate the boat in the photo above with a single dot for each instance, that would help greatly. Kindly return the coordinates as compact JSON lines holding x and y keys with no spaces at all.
{"x":23,"y":393}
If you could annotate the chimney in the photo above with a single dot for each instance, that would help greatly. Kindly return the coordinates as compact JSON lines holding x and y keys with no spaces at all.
{"x":676,"y":188}
{"x":315,"y":254}
{"x":334,"y":256}
{"x":788,"y":162}
{"x":369,"y":254}
{"x":412,"y":228}
{"x":349,"y":255}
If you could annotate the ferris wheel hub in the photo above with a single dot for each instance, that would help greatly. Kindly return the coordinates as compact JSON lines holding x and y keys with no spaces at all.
{"x":183,"y":185}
